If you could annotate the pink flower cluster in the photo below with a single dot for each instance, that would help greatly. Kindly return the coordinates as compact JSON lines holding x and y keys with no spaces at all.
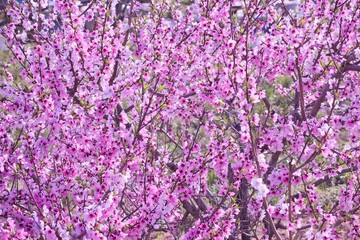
{"x":187,"y":120}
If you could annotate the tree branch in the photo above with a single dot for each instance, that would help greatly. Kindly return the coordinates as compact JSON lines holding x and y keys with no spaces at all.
{"x":352,"y":67}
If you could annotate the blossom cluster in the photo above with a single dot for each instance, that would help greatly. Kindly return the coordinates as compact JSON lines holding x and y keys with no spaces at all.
{"x":187,"y":120}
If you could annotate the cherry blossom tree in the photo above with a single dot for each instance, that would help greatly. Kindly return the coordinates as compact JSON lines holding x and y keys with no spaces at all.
{"x":180,"y":120}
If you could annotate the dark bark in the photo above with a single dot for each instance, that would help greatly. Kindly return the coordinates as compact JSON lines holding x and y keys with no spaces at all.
{"x":243,"y":200}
